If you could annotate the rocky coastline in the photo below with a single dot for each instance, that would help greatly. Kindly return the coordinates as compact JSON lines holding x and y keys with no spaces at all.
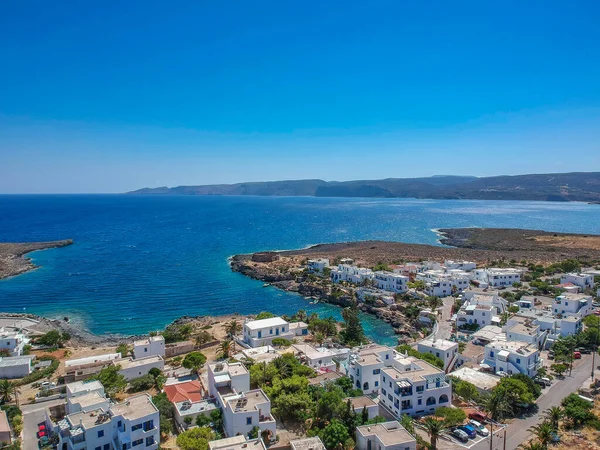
{"x":13,"y":260}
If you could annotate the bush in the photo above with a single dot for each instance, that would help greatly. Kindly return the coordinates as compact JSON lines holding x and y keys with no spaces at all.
{"x":264,"y":315}
{"x":53,"y":338}
{"x":428,"y":357}
{"x":177,"y":332}
{"x":451,"y":416}
{"x":195,"y":439}
{"x":39,"y":374}
{"x":281,"y":342}
{"x":142,"y":383}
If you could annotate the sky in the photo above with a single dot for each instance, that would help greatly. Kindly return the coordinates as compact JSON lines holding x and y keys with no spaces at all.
{"x":102,"y":97}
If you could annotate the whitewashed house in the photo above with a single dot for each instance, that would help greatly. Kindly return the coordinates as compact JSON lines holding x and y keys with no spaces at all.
{"x":317,"y":265}
{"x":13,"y":342}
{"x":134,"y":368}
{"x":317,"y":359}
{"x":132,"y":423}
{"x":572,"y":304}
{"x":583,"y":280}
{"x":384,"y":436}
{"x":364,"y":366}
{"x":467,"y":266}
{"x":513,"y":357}
{"x":152,"y":346}
{"x":15,"y":366}
{"x":498,"y":277}
{"x":258,"y":333}
{"x":442,"y":348}
{"x":389,"y":281}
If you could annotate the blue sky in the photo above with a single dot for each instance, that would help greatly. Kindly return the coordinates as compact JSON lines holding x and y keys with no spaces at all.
{"x":111,"y":96}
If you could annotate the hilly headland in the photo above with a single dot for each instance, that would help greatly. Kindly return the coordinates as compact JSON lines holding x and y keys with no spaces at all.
{"x":575,"y":186}
{"x":12,"y":255}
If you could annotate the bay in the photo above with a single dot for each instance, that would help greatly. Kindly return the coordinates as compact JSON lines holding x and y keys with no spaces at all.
{"x":139,"y":262}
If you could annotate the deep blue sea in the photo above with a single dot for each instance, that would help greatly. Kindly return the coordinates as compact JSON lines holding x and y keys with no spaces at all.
{"x":140,"y":262}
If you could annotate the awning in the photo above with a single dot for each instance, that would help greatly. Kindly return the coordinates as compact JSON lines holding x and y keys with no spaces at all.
{"x":222,"y":378}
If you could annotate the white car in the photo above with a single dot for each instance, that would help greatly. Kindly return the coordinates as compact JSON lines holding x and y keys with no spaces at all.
{"x":480,"y":428}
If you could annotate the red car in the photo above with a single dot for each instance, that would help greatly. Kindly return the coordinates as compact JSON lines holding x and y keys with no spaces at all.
{"x":479,"y":417}
{"x":577,"y":355}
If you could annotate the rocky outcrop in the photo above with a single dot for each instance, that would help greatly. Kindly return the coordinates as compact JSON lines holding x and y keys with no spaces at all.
{"x":12,"y":255}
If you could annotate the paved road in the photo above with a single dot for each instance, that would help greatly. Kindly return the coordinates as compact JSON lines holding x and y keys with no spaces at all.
{"x":32,"y":416}
{"x":517,"y":432}
{"x":445,"y":327}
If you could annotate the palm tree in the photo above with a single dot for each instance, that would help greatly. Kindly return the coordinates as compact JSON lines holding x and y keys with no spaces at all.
{"x":283,"y":367}
{"x":233,"y":328}
{"x":553,"y":415}
{"x":319,"y":337}
{"x":226,"y":347}
{"x":8,"y":390}
{"x":434,"y":303}
{"x":301,"y":315}
{"x":531,"y":445}
{"x":434,"y":429}
{"x":497,"y":406}
{"x":543,"y":433}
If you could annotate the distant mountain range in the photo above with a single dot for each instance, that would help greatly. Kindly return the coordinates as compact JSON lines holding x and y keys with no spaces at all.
{"x":575,"y":186}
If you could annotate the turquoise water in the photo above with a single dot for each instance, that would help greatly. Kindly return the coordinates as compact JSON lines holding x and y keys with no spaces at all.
{"x":140,"y":262}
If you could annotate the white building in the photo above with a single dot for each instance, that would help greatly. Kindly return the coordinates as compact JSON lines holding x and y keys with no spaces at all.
{"x":384,"y":436}
{"x":298,"y":328}
{"x":442,"y":348}
{"x":86,"y":396}
{"x":389,"y":281}
{"x":441,"y":283}
{"x":106,"y":358}
{"x":481,"y":308}
{"x":498,"y":277}
{"x":513,"y":357}
{"x":583,"y":280}
{"x":364,"y":402}
{"x":467,"y":266}
{"x":365,"y":364}
{"x":573,"y":304}
{"x":237,"y":443}
{"x":15,"y":366}
{"x":135,"y":368}
{"x":226,"y":378}
{"x":317,"y":265}
{"x":406,"y":385}
{"x":312,"y":443}
{"x":13,"y":341}
{"x":370,"y":295}
{"x":258,"y":333}
{"x":317,"y":359}
{"x":152,"y":346}
{"x":189,"y":401}
{"x":132,"y":423}
{"x":351,"y":274}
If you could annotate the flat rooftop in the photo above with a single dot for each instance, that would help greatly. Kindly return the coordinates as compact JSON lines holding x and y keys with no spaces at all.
{"x":414,"y":374}
{"x":135,"y":407}
{"x":11,"y":361}
{"x":311,"y":352}
{"x":265,"y":323}
{"x":87,"y":420}
{"x":149,"y":340}
{"x":84,"y":386}
{"x":87,"y":400}
{"x":324,"y":378}
{"x":313,"y":443}
{"x":442,"y":344}
{"x":388,"y":433}
{"x":129,"y":363}
{"x":482,"y":380}
{"x":248,"y":401}
{"x":523,"y":348}
{"x":237,"y":443}
{"x":358,"y":403}
{"x":233,"y":369}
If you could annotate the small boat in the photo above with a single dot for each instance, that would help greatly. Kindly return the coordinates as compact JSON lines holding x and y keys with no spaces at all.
{"x":266,"y":284}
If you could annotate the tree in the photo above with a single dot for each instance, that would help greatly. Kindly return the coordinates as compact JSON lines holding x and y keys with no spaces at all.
{"x":559,"y":369}
{"x":577,"y":410}
{"x":281,"y":342}
{"x":202,"y":338}
{"x":429,"y":357}
{"x":142,"y":383}
{"x":301,"y":315}
{"x":532,"y":445}
{"x":353,"y":333}
{"x":4,"y":352}
{"x":53,"y":338}
{"x":111,"y":379}
{"x":195,"y":439}
{"x":497,"y":406}
{"x":166,"y":411}
{"x":124,"y":350}
{"x":194,"y":361}
{"x":264,"y":315}
{"x":364,"y":415}
{"x":8,"y":390}
{"x":408,"y":423}
{"x":543,"y":433}
{"x":334,"y":435}
{"x":233,"y":328}
{"x":319,"y":337}
{"x":465,"y":390}
{"x":434,"y":303}
{"x":225,"y":348}
{"x":434,"y":429}
{"x":451,"y":416}
{"x":516,"y":392}
{"x":553,"y":415}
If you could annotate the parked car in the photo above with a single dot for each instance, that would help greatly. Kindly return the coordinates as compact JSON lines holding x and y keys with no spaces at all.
{"x":479,"y":417}
{"x":460,"y":435}
{"x":550,"y":354}
{"x":470,"y":430}
{"x":479,"y":428}
{"x":577,"y":355}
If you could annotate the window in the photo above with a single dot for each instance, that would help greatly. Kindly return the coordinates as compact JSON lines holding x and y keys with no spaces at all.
{"x":149,"y":441}
{"x":518,"y":360}
{"x":136,"y":443}
{"x":248,"y":420}
{"x":387,"y":356}
{"x":384,"y":378}
{"x":101,"y":433}
{"x":136,"y":427}
{"x":106,"y":446}
{"x":119,"y":423}
{"x":376,"y":383}
{"x":145,"y":350}
{"x":98,"y":448}
{"x":376,"y":371}
{"x":148,"y":425}
{"x":383,"y":391}
{"x":491,"y":354}
{"x":419,"y":401}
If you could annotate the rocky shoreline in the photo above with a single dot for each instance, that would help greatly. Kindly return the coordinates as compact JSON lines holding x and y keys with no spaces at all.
{"x":482,"y":245}
{"x":13,"y":260}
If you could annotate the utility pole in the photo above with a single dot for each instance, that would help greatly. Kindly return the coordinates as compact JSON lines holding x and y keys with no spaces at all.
{"x":504,"y":447}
